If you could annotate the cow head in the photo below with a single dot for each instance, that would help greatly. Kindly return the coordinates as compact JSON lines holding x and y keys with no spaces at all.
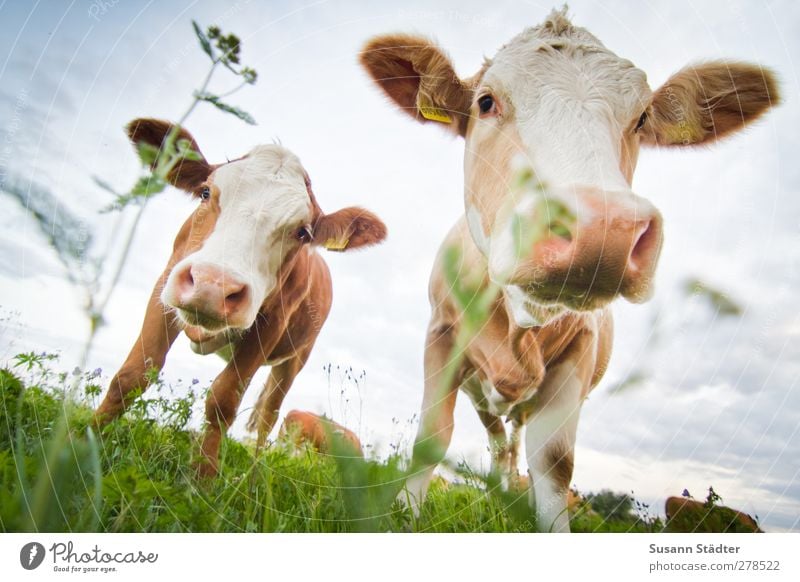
{"x":253,"y":216}
{"x":553,"y":125}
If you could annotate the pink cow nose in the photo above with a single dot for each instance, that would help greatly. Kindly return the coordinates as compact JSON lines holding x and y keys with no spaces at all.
{"x":211,"y":292}
{"x":588,"y":262}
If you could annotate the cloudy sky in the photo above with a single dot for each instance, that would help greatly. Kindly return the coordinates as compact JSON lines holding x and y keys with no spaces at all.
{"x":719,"y":403}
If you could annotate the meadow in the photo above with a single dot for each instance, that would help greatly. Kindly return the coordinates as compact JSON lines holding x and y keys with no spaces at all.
{"x":136,"y":475}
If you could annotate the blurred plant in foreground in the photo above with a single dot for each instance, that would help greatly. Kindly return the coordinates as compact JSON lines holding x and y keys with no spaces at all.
{"x":65,"y":459}
{"x":70,"y":237}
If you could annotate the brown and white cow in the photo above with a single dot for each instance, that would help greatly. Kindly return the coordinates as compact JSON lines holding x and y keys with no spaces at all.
{"x":556,"y":105}
{"x":306,"y":427}
{"x":244,"y":280}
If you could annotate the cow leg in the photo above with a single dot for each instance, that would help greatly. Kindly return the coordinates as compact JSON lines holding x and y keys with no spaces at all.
{"x":221,"y":407}
{"x":268,"y":405}
{"x":498,"y":445}
{"x":550,"y":446}
{"x":436,"y":418}
{"x":513,"y":446}
{"x":147,"y":355}
{"x":228,"y":388}
{"x":550,"y":436}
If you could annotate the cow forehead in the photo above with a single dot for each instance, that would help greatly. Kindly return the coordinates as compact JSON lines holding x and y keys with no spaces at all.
{"x":565,"y":65}
{"x":270,"y":180}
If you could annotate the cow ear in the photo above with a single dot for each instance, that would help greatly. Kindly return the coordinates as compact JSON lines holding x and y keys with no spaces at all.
{"x":188,"y":174}
{"x":419,"y":77}
{"x":706,"y":102}
{"x":349,"y":228}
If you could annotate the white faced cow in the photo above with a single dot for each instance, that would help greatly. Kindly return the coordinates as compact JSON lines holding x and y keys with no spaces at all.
{"x":244,"y":280}
{"x":556,"y":104}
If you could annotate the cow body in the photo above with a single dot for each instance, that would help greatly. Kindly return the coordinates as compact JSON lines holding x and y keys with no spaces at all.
{"x":301,"y":427}
{"x":552,"y":230}
{"x":509,"y":372}
{"x":692,"y":516}
{"x":244,"y":281}
{"x":504,"y":366}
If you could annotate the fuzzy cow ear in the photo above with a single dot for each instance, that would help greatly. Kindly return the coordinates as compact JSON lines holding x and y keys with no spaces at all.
{"x":188,"y":174}
{"x":703,"y":103}
{"x":349,"y":228}
{"x":419,"y":77}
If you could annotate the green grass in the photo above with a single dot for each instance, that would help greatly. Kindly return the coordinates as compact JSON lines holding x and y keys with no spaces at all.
{"x":57,"y":475}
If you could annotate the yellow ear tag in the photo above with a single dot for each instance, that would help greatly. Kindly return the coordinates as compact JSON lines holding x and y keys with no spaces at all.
{"x":333,"y":244}
{"x":430,"y":112}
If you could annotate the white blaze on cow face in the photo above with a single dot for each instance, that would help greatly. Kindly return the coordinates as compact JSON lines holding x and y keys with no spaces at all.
{"x":562,"y":109}
{"x":260,"y":203}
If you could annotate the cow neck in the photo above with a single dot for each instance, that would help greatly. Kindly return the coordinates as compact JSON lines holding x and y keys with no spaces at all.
{"x":294,"y":281}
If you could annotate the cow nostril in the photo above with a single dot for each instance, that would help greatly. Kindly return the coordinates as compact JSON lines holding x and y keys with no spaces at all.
{"x":645,"y":241}
{"x":236,"y":298}
{"x":185,"y":281}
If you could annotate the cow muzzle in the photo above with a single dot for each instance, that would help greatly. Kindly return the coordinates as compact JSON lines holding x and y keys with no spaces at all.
{"x":591,"y":247}
{"x":209,"y":297}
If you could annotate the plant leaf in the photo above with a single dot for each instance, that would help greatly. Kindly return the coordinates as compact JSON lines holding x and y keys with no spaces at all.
{"x":148,"y":185}
{"x":192,"y":155}
{"x":215,"y":101}
{"x":105,"y":185}
{"x":148,"y":154}
{"x":186,"y":152}
{"x":66,"y":232}
{"x":205,"y":44}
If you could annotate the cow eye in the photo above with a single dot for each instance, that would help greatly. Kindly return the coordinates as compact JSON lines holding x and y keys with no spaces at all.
{"x":486,"y":105}
{"x":640,"y":123}
{"x":303,"y":234}
{"x":205,"y":193}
